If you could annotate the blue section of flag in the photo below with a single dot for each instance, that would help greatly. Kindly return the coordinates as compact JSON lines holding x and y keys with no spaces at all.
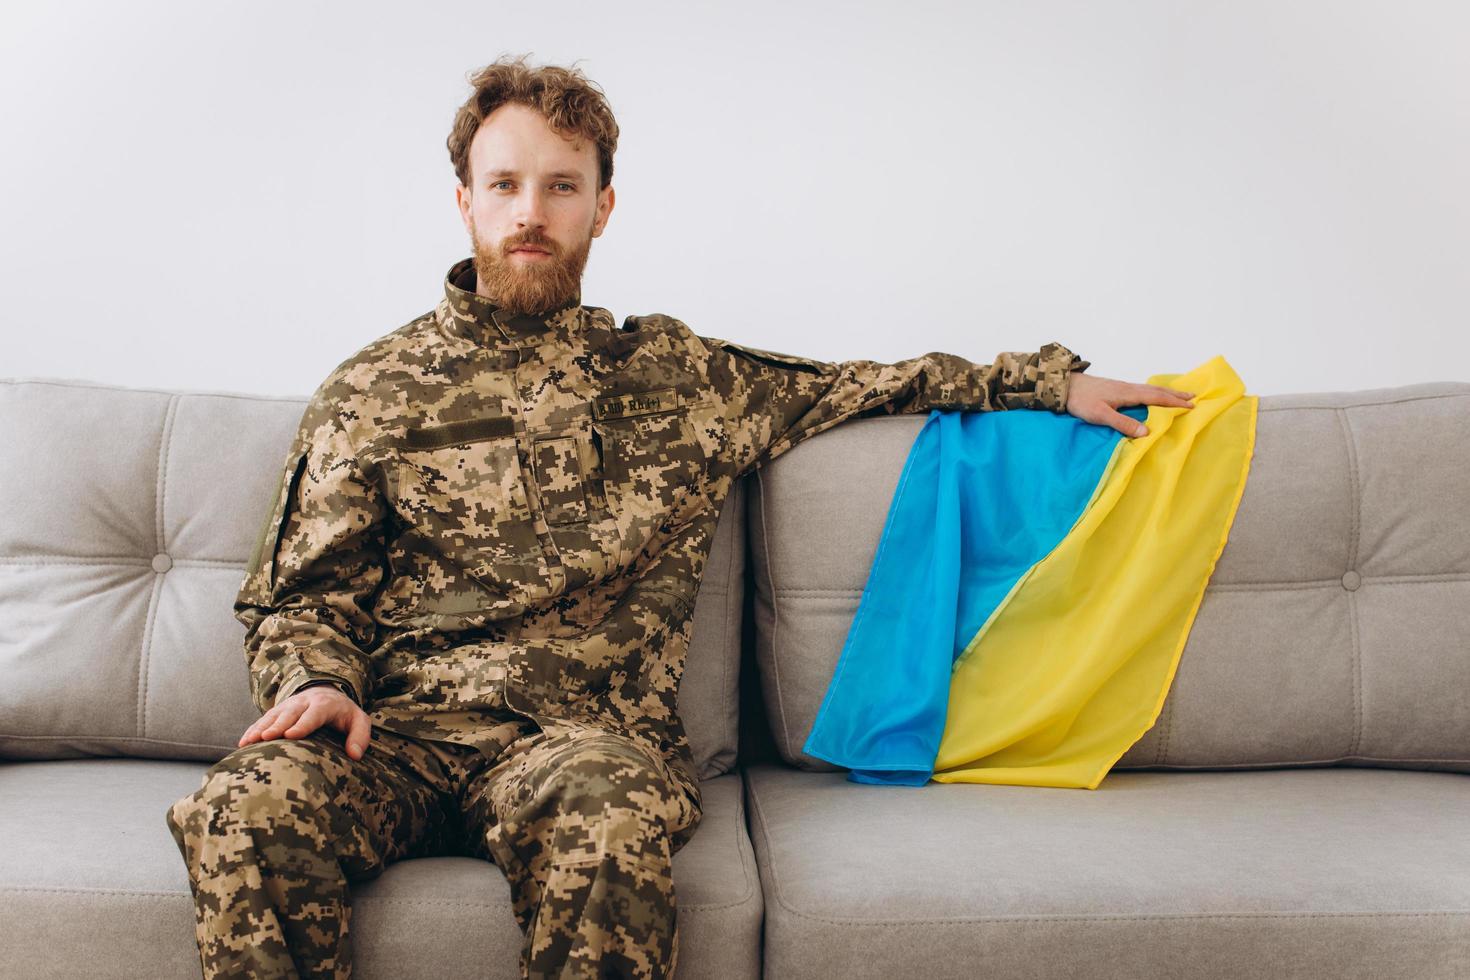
{"x":982,"y":497}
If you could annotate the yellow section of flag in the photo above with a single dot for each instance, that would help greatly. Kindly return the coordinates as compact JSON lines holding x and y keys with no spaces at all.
{"x":1073,"y":667}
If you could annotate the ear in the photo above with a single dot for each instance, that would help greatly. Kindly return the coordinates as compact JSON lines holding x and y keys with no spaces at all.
{"x":463,"y":201}
{"x":605,"y":201}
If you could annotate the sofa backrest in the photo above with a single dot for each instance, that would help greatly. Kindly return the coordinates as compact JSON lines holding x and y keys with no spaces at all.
{"x":129,"y":515}
{"x":1335,"y":628}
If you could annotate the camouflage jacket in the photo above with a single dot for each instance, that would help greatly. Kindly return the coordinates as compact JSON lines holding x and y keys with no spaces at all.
{"x":492,"y":522}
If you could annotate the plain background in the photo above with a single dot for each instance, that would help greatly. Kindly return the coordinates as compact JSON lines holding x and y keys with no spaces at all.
{"x":237,"y":196}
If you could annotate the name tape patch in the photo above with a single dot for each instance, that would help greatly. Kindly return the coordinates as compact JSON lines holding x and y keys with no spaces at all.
{"x":635,"y":403}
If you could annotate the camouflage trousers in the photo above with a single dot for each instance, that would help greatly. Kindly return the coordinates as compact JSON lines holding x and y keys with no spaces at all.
{"x":583,"y":824}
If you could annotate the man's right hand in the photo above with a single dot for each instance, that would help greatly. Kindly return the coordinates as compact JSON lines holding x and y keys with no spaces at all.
{"x":309,"y":709}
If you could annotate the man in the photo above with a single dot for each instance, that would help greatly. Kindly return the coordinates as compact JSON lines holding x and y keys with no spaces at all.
{"x":483,"y":561}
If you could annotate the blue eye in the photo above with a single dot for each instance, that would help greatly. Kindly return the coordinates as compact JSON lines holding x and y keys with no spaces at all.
{"x":558,"y":184}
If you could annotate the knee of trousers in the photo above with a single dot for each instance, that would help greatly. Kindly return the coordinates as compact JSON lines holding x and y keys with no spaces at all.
{"x":605,"y":794}
{"x":275,"y":787}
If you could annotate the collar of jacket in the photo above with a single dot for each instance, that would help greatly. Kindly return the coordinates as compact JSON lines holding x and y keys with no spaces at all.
{"x":465,"y":313}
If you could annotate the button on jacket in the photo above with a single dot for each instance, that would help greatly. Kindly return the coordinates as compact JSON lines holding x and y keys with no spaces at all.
{"x":491,"y":522}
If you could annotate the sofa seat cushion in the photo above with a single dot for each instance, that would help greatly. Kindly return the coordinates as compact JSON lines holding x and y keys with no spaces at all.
{"x":93,"y":885}
{"x":1340,"y":873}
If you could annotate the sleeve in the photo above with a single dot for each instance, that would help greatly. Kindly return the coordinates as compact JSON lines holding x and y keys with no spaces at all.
{"x":307,"y":598}
{"x":776,"y":401}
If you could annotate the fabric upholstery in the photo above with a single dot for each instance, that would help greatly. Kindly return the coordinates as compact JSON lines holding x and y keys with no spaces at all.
{"x":1337,"y":874}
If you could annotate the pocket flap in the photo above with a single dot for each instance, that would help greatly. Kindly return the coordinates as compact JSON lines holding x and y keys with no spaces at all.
{"x":260,"y":570}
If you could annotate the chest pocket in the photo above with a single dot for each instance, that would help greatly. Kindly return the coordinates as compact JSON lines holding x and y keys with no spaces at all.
{"x":653,"y":467}
{"x":461,"y":482}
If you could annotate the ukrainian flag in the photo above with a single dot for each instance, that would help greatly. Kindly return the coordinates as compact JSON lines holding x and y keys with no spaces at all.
{"x":1033,"y":589}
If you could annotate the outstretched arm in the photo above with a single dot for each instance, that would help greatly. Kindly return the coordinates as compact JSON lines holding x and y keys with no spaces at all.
{"x":776,"y":401}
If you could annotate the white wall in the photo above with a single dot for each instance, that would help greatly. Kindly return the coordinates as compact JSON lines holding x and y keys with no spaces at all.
{"x":237,"y":196}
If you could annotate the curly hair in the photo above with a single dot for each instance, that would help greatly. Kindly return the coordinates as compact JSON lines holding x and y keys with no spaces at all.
{"x":573,"y":105}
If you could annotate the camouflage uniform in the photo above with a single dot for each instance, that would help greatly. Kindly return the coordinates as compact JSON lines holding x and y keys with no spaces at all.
{"x":490,"y":532}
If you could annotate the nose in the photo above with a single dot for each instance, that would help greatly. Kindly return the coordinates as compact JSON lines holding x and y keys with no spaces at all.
{"x":530,"y":209}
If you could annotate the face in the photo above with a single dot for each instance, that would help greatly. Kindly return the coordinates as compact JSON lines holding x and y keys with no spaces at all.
{"x":531,"y":210}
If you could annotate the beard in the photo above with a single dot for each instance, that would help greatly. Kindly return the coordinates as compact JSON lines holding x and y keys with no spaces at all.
{"x":530,"y":286}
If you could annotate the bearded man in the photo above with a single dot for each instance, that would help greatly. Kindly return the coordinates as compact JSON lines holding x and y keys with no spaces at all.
{"x":468,"y":609}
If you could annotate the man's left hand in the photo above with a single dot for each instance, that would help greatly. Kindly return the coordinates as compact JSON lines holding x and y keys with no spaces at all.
{"x":1096,"y":400}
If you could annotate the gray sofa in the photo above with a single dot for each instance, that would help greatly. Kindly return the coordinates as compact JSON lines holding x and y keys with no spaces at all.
{"x":1300,"y":809}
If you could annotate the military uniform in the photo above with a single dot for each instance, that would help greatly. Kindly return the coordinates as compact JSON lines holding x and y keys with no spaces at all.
{"x":490,"y":533}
